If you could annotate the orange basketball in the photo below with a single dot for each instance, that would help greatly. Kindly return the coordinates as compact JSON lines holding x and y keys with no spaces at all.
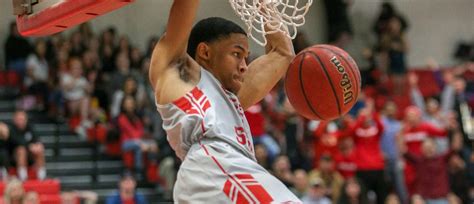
{"x":323,"y":82}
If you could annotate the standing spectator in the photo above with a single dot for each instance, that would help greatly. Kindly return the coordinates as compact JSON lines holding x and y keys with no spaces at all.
{"x":412,"y":134}
{"x":433,"y":112}
{"x":337,"y":18}
{"x":394,"y":45}
{"x":458,"y":178}
{"x":367,"y":133}
{"x":37,"y":72}
{"x":415,"y":130}
{"x":26,"y":147}
{"x":325,"y":140}
{"x":316,"y":192}
{"x":431,"y":171}
{"x":388,"y":12}
{"x":353,"y":192}
{"x":393,"y":168}
{"x":333,"y":181}
{"x":17,"y":49}
{"x":345,"y":158}
{"x":14,"y":192}
{"x":257,"y":123}
{"x":463,"y":114}
{"x":301,"y":184}
{"x":127,"y":192}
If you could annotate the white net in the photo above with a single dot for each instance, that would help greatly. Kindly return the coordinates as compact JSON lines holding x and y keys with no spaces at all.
{"x":277,"y":15}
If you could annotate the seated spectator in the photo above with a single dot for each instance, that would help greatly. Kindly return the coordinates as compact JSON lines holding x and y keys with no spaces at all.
{"x":316,"y":193}
{"x":132,"y":132}
{"x":127,"y":192}
{"x":4,"y":135}
{"x":281,"y":168}
{"x":300,"y":184}
{"x":261,"y":154}
{"x":37,"y":72}
{"x":86,"y":197}
{"x":25,"y":147}
{"x":130,"y":88}
{"x":14,"y":192}
{"x":392,"y":199}
{"x":122,"y":72}
{"x":76,"y":91}
{"x":332,"y":179}
{"x":31,"y":197}
{"x":353,"y":192}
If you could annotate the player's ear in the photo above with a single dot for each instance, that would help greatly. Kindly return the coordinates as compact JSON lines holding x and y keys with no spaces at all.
{"x":202,"y":51}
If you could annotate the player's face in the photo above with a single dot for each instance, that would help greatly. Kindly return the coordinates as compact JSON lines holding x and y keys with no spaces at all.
{"x":228,"y":61}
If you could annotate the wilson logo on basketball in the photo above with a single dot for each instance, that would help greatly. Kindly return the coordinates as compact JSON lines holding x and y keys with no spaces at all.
{"x":345,"y":82}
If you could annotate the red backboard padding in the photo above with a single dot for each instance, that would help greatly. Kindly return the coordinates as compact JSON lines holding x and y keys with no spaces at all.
{"x":67,"y":14}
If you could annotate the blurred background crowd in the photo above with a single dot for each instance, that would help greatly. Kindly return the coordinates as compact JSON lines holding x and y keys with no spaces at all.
{"x":407,"y":140}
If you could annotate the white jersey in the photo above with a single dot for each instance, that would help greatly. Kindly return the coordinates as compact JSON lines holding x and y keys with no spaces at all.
{"x":207,"y":111}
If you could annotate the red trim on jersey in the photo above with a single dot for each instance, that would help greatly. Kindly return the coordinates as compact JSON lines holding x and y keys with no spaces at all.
{"x":248,"y":187}
{"x":244,"y":176}
{"x":185,"y":105}
{"x":190,"y":105}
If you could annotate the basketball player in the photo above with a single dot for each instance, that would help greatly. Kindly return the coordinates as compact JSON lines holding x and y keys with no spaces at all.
{"x":202,"y":95}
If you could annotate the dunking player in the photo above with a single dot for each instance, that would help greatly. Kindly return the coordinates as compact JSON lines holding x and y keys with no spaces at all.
{"x":201,"y":96}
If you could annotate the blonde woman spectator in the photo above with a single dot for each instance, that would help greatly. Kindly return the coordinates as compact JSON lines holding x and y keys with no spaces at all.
{"x":76,"y":90}
{"x":14,"y":192}
{"x":31,"y":198}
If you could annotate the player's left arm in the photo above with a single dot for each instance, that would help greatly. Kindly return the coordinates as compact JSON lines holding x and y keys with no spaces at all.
{"x":267,"y":70}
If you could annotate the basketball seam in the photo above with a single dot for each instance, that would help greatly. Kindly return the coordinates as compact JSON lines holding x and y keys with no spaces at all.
{"x":329,"y":79}
{"x":300,"y":70}
{"x":356,"y":77}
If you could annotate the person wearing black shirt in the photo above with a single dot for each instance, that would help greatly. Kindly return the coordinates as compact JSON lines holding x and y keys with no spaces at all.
{"x":17,"y":49}
{"x":25,"y":147}
{"x":4,"y":135}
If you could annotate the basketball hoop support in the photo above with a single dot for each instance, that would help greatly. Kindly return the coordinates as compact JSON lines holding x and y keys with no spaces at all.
{"x":64,"y":15}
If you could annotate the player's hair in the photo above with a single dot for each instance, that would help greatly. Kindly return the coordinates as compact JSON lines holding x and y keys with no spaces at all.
{"x":209,"y":30}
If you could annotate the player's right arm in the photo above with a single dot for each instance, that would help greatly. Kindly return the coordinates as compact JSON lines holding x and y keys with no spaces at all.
{"x":169,"y":55}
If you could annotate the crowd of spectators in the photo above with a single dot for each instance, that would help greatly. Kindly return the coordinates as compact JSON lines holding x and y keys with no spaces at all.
{"x":381,"y":152}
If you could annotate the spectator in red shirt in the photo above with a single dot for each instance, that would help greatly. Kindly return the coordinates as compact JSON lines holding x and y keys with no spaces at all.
{"x":367,"y":132}
{"x":345,"y":158}
{"x":257,"y":123}
{"x":413,"y":132}
{"x":432,"y":182}
{"x":131,"y":131}
{"x":325,"y":140}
